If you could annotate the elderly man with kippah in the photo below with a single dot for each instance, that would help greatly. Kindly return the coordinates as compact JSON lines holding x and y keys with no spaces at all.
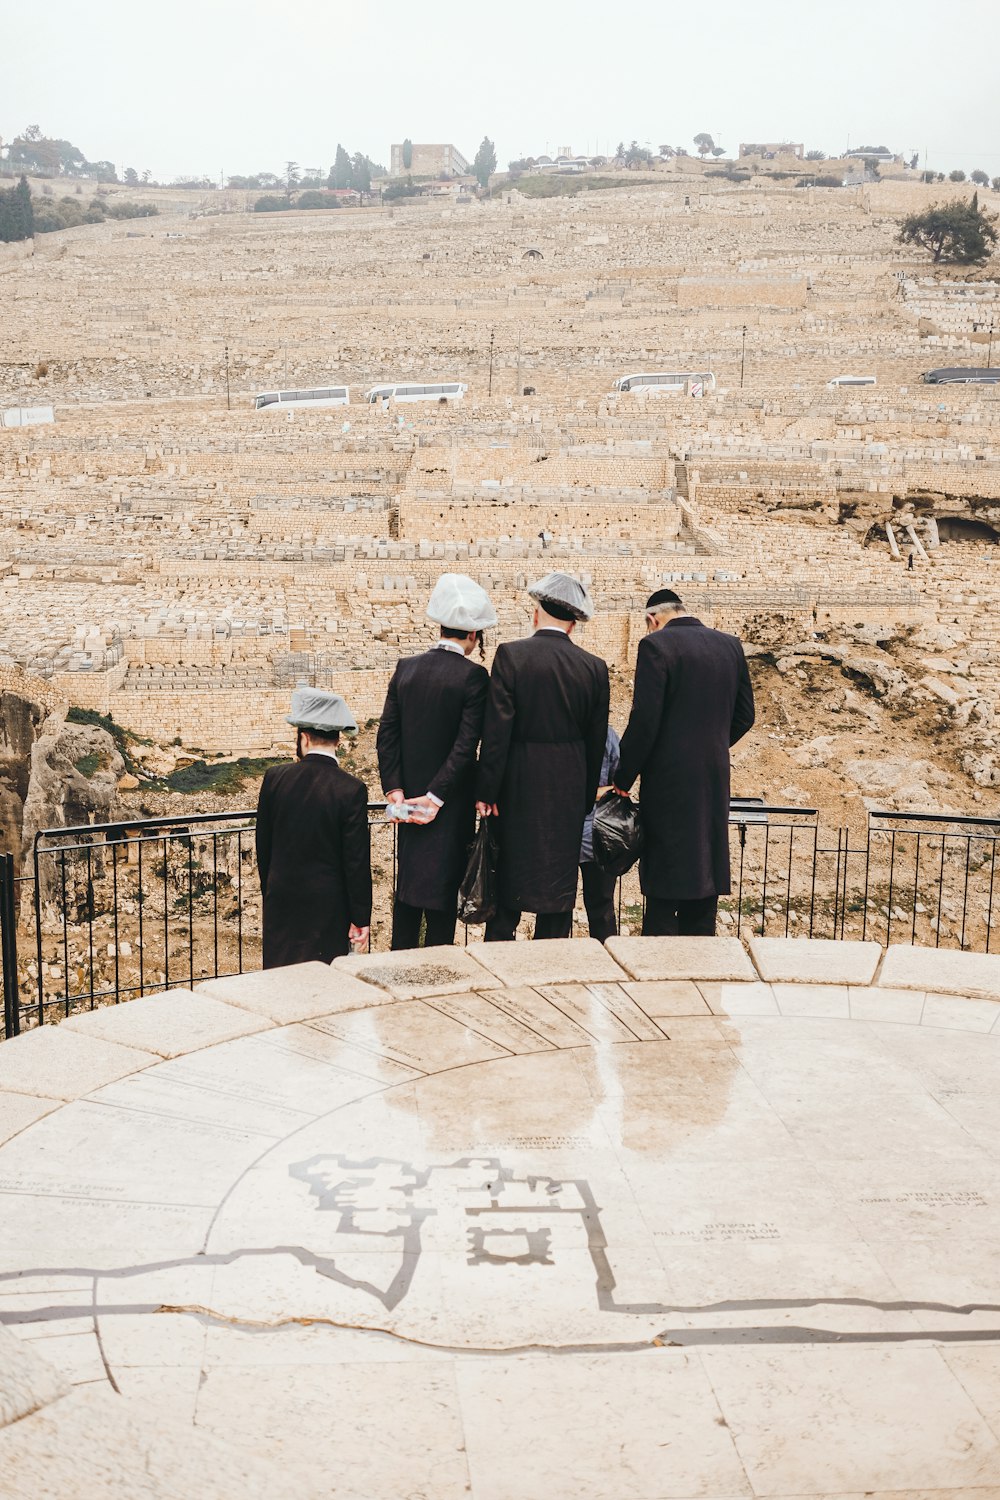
{"x":540,"y":762}
{"x":313,"y":843}
{"x":693,"y":699}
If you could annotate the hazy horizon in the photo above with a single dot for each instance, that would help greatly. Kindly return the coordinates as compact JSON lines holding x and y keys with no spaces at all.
{"x":236,"y":87}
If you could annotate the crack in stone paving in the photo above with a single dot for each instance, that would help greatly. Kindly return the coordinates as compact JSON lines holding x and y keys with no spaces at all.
{"x":666,"y":1338}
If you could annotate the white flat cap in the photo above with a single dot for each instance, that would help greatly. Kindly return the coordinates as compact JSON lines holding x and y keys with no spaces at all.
{"x":327,"y":713}
{"x":459,"y":603}
{"x":563,"y":597}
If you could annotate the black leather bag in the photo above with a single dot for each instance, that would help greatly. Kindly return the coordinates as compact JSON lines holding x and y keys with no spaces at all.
{"x":617,"y":833}
{"x":477,"y":895}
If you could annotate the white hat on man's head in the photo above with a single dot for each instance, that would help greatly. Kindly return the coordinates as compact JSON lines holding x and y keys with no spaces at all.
{"x":563,"y":597}
{"x":459,"y":603}
{"x":325,"y":713}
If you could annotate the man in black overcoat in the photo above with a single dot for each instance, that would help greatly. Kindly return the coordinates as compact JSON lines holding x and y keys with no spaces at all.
{"x":427,"y":742}
{"x":313,"y":844}
{"x":693,"y":699}
{"x":540,"y":763}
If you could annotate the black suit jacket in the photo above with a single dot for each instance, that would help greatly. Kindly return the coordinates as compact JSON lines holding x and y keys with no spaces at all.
{"x":427,"y":742}
{"x":543,"y":745}
{"x":314,"y":858}
{"x":693,"y":699}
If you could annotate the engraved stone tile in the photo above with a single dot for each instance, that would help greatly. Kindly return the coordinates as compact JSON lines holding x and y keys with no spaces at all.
{"x":815,"y":960}
{"x":594,"y":1015}
{"x":694,"y":958}
{"x":419,"y":972}
{"x":532,"y":1010}
{"x":56,"y":1063}
{"x":412,"y":1033}
{"x":297,"y":992}
{"x":171,"y":1024}
{"x":944,"y":971}
{"x":550,"y":961}
{"x":482,"y":1013}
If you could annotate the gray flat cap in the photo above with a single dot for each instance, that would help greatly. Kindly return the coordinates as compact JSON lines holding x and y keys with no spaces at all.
{"x":327,"y":713}
{"x":563,"y":597}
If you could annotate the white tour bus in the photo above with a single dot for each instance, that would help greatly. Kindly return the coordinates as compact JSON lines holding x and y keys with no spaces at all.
{"x":452,"y":391}
{"x":839,"y":380}
{"x":329,"y":395}
{"x":670,"y":382}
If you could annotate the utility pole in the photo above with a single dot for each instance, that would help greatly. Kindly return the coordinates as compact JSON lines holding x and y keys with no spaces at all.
{"x":743,"y":355}
{"x":492,"y":335}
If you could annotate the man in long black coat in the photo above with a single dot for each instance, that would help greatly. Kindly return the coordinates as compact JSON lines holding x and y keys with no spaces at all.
{"x":313,"y":843}
{"x":693,"y":699}
{"x":540,"y":763}
{"x":427,"y":742}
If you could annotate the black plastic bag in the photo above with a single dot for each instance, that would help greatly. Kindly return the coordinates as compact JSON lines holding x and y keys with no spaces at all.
{"x":477,"y":895}
{"x":617,"y":833}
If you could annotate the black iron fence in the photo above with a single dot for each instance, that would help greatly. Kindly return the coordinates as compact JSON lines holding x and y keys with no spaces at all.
{"x":107,"y":912}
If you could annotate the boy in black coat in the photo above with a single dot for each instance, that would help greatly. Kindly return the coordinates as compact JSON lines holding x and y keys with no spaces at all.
{"x":427,"y":742}
{"x":313,"y":843}
{"x":693,"y":699}
{"x":540,"y":764}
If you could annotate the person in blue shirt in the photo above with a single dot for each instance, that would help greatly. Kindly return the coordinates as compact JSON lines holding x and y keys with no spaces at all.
{"x":599,"y":885}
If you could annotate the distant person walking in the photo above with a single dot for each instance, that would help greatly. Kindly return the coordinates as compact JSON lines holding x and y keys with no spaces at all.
{"x":693,"y":699}
{"x":598,"y":885}
{"x":540,"y":763}
{"x":313,"y":844}
{"x":427,"y":742}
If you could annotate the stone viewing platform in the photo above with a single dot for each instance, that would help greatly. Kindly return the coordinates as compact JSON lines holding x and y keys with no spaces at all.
{"x":523,"y":1222}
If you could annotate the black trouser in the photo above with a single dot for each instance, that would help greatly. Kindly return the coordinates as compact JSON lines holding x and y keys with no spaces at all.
{"x":406,"y":926}
{"x":548,"y":924}
{"x":668,"y":917}
{"x":599,"y":899}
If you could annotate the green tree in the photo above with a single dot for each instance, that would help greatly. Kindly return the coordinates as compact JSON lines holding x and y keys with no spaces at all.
{"x":340,"y":172}
{"x":291,"y":177}
{"x":957,"y":231}
{"x":957,"y":176}
{"x":995,"y":184}
{"x":637,"y":156}
{"x":704,"y":143}
{"x":131,"y":177}
{"x":979,"y":177}
{"x":815,"y":156}
{"x":361,"y":174}
{"x":407,"y":154}
{"x":485,"y":162}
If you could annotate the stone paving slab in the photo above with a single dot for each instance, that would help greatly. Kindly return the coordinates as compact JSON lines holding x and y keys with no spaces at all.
{"x":18,"y":1111}
{"x":55,"y":1063}
{"x":27,"y":1382}
{"x":170,"y":1024}
{"x":815,"y":960}
{"x":296,"y":992}
{"x":942,"y":970}
{"x":549,"y":961}
{"x":694,"y":958}
{"x":95,"y":1445}
{"x":420,"y":972}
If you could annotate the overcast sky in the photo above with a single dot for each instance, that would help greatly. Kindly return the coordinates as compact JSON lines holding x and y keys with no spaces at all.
{"x":197,"y":86}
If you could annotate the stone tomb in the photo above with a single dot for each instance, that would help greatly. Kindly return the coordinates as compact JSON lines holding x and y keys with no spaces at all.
{"x":579,"y":1226}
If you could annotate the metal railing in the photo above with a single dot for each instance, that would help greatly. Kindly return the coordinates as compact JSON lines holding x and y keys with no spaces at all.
{"x":116,"y":910}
